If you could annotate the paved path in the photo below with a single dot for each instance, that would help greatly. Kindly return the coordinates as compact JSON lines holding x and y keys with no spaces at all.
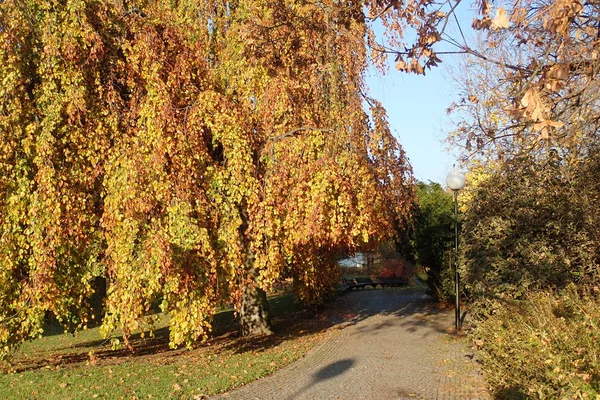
{"x":386,"y":345}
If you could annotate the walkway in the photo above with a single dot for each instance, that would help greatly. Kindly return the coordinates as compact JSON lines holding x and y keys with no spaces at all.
{"x":386,"y":345}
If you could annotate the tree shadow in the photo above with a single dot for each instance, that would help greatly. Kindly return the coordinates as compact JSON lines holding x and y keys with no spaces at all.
{"x":415,"y":312}
{"x":102,"y":351}
{"x":329,"y":371}
{"x":289,"y":326}
{"x":290,"y":320}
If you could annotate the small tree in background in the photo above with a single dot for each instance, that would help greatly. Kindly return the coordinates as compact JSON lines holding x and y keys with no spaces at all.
{"x":433,"y":236}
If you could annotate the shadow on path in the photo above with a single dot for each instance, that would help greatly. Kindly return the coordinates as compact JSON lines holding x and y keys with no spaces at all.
{"x":332,"y":370}
{"x":398,"y":341}
{"x":414,"y":309}
{"x":329,"y":371}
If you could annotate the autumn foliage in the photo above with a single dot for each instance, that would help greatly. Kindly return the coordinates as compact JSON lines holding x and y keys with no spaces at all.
{"x":527,"y":122}
{"x":191,"y":152}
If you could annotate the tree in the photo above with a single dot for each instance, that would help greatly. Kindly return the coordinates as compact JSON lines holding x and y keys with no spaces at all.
{"x":433,"y":234}
{"x":529,"y":228}
{"x":527,"y":125}
{"x":54,"y":133}
{"x":540,"y":59}
{"x":191,"y":152}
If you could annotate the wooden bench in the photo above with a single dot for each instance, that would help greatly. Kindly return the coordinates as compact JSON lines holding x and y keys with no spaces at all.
{"x":391,"y":281}
{"x":355,"y":283}
{"x":362,"y":282}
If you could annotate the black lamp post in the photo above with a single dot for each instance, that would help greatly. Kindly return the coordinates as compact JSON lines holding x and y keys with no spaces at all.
{"x":456,"y":181}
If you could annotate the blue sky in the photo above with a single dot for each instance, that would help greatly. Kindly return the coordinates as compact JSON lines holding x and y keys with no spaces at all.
{"x":416,"y":107}
{"x":417,"y":104}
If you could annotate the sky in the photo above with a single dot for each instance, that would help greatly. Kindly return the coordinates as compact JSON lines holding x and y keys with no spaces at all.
{"x":417,"y":104}
{"x":416,"y":107}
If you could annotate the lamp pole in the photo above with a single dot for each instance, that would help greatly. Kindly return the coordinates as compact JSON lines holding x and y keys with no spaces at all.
{"x":456,"y":273}
{"x":456,"y":181}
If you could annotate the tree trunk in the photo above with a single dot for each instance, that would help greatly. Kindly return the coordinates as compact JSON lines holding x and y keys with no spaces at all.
{"x":255,"y":316}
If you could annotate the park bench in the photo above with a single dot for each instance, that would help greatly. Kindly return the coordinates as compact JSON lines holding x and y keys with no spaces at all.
{"x":391,"y":281}
{"x":358,"y":283}
{"x":362,"y":282}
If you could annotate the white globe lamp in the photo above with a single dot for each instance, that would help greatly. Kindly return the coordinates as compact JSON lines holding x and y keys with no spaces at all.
{"x":456,"y":181}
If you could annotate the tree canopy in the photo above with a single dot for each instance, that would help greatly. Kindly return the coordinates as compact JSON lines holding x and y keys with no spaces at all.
{"x":191,"y":152}
{"x":433,"y":235}
{"x":195,"y":152}
{"x":527,"y":125}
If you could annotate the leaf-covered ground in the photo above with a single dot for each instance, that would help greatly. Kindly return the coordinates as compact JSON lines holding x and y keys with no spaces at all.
{"x":62,"y":366}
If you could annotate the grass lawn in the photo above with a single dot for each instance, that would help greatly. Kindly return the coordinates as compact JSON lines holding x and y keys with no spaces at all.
{"x":84,"y":366}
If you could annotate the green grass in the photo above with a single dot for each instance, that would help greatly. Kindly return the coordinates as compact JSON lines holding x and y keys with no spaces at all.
{"x":84,"y":366}
{"x":187,"y":374}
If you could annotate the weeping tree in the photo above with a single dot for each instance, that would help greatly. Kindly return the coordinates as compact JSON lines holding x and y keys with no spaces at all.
{"x":191,"y":152}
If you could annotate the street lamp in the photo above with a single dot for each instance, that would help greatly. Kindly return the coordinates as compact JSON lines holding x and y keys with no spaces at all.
{"x":456,"y":181}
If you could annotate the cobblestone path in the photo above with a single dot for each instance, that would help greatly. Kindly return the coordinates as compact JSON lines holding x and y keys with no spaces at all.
{"x":386,"y":345}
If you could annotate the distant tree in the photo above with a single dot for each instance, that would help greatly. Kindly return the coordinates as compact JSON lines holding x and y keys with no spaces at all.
{"x":433,"y":233}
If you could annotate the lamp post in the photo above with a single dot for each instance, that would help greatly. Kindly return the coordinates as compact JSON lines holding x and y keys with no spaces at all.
{"x":456,"y":181}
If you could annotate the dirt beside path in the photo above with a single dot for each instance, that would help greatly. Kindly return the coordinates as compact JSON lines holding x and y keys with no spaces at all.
{"x":387,"y":344}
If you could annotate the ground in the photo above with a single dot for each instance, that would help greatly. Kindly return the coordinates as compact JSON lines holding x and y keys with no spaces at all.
{"x":374,"y":343}
{"x":386,"y":344}
{"x":62,"y":366}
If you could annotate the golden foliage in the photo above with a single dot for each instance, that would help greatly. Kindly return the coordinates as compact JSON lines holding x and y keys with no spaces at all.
{"x":185,"y":151}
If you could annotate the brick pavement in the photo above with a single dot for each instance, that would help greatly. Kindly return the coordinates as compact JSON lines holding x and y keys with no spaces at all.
{"x":386,"y":345}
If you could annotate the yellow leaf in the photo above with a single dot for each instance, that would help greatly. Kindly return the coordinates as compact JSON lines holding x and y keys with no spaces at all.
{"x":500,"y":21}
{"x":401,"y":65}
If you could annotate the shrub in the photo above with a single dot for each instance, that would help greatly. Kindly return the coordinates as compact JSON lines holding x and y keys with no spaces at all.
{"x":533,"y":226}
{"x":546,"y":346}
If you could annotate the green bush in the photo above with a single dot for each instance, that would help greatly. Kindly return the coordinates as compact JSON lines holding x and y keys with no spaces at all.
{"x":433,"y":237}
{"x":546,"y":346}
{"x":533,"y":226}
